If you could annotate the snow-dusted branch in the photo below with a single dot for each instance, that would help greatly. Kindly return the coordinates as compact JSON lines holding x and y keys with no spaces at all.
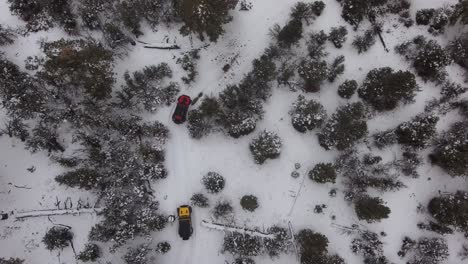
{"x":222,"y":227}
{"x":38,"y":213}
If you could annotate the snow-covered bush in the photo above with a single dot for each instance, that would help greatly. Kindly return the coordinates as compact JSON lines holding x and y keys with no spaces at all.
{"x":279,"y":244}
{"x":242,"y":245}
{"x":187,"y":62}
{"x":138,"y":255}
{"x":316,"y":45}
{"x":267,"y":145}
{"x":435,"y":227}
{"x":11,"y":261}
{"x":57,"y":238}
{"x":384,"y":138}
{"x":20,"y":94}
{"x":318,"y":7}
{"x":129,"y":16}
{"x":15,"y":127}
{"x":91,"y":252}
{"x":338,"y":36}
{"x":409,"y":164}
{"x":242,"y":104}
{"x":197,"y":125}
{"x":126,"y":215}
{"x":249,"y":202}
{"x":370,"y":247}
{"x":213,"y":182}
{"x":322,"y":259}
{"x":429,"y":251}
{"x":424,"y":16}
{"x":347,"y":89}
{"x":245,"y":6}
{"x":244,"y":261}
{"x":370,"y":209}
{"x":90,"y":10}
{"x":430,"y":60}
{"x":311,"y":245}
{"x":428,"y":57}
{"x":398,"y":6}
{"x":307,"y":114}
{"x":407,"y":245}
{"x":458,"y":50}
{"x":163,"y":247}
{"x":313,"y":72}
{"x":223,"y":209}
{"x":240,"y":123}
{"x":290,"y":34}
{"x":451,"y":151}
{"x":417,"y":132}
{"x":74,"y":65}
{"x":360,"y":176}
{"x":200,"y":200}
{"x":132,"y":13}
{"x":83,"y":178}
{"x":450,"y":209}
{"x":205,"y":17}
{"x":33,"y":63}
{"x":346,"y":126}
{"x":44,"y":137}
{"x":368,"y":172}
{"x":6,"y":36}
{"x":202,"y":120}
{"x":451,"y":91}
{"x":336,"y":68}
{"x":36,"y":13}
{"x":384,"y":88}
{"x":323,"y":173}
{"x":306,"y":11}
{"x":147,"y":88}
{"x":354,"y":11}
{"x":114,"y":37}
{"x":461,"y":12}
{"x":436,"y":19}
{"x":364,"y":42}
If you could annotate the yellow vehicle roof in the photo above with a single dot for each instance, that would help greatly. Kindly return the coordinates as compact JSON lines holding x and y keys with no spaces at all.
{"x":184,"y":211}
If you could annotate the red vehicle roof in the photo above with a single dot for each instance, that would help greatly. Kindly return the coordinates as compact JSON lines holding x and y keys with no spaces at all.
{"x":184,"y":99}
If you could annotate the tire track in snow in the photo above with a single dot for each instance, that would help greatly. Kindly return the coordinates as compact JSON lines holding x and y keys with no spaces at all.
{"x":179,"y":189}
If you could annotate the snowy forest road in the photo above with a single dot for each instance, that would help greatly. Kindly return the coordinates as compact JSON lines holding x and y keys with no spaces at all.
{"x":179,"y":188}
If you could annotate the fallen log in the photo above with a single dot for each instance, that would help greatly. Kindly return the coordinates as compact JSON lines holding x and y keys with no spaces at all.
{"x":38,"y":213}
{"x":159,"y":45}
{"x":222,"y":227}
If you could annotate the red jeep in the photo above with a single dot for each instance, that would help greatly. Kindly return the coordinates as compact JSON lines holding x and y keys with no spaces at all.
{"x":180,"y":113}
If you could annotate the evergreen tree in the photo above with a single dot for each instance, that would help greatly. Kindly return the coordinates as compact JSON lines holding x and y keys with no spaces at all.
{"x":91,"y":252}
{"x":57,"y":238}
{"x":78,"y":67}
{"x":338,"y":36}
{"x":451,"y":151}
{"x":344,"y":128}
{"x":417,"y":132}
{"x":267,"y":145}
{"x":205,"y":17}
{"x":371,"y":209}
{"x":307,"y":115}
{"x":347,"y":89}
{"x":384,"y":88}
{"x":322,"y":173}
{"x":147,"y":88}
{"x":451,"y":210}
{"x":6,"y":36}
{"x":313,"y":73}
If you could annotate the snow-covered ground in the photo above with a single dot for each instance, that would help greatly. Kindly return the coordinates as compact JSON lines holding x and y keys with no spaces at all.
{"x":187,"y":160}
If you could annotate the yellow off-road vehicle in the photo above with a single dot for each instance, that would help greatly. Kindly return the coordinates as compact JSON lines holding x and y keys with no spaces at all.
{"x":184,"y":213}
